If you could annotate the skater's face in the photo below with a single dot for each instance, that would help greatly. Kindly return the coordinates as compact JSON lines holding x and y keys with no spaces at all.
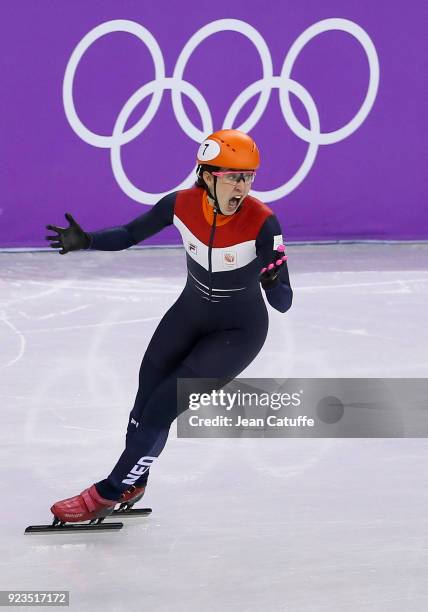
{"x":232,"y":187}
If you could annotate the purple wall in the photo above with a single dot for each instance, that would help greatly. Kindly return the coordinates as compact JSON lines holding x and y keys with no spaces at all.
{"x":366,"y":182}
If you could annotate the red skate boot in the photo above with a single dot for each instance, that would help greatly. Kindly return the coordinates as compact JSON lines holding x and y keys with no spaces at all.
{"x":128,"y":499}
{"x":87,"y":506}
{"x":70,"y":514}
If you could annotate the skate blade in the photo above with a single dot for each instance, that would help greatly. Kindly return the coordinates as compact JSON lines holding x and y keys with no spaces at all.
{"x":124,"y":511}
{"x":73,"y":527}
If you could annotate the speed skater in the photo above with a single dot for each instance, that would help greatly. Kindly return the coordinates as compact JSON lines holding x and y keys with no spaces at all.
{"x":218,"y":324}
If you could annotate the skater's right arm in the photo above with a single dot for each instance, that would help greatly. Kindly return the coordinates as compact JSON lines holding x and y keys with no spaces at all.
{"x":144,"y":226}
{"x":115,"y":238}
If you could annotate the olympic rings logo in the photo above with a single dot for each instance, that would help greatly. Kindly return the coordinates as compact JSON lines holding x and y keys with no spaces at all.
{"x":178,"y":86}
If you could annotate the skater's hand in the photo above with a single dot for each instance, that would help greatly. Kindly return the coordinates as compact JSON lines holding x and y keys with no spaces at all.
{"x":269,"y":275}
{"x":68,"y":239}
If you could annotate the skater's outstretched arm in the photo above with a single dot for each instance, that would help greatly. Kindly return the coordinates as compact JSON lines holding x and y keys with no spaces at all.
{"x":118,"y":238}
{"x":274,"y":276}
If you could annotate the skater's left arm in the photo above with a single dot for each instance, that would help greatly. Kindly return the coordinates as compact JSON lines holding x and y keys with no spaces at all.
{"x":274,"y":276}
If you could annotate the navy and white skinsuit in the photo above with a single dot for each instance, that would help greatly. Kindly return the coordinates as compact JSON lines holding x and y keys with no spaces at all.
{"x":215,"y":328}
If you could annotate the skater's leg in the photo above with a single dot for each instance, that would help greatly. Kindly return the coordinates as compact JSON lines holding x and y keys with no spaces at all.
{"x":223,"y":355}
{"x":171,"y":342}
{"x":149,"y":378}
{"x":148,"y":440}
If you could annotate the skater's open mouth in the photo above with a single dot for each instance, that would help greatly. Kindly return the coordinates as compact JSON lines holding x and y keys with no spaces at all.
{"x":234,"y":201}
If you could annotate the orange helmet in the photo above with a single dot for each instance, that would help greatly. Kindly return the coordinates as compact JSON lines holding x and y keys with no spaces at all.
{"x":229,"y":149}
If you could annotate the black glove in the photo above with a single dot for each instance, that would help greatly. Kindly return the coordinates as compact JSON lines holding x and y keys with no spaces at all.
{"x":269,"y":276}
{"x":69,"y":239}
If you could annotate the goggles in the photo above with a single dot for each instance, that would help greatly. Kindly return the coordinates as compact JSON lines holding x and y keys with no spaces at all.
{"x":230,"y":177}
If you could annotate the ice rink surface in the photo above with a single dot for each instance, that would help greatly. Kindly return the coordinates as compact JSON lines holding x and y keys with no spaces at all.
{"x":248,"y":525}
